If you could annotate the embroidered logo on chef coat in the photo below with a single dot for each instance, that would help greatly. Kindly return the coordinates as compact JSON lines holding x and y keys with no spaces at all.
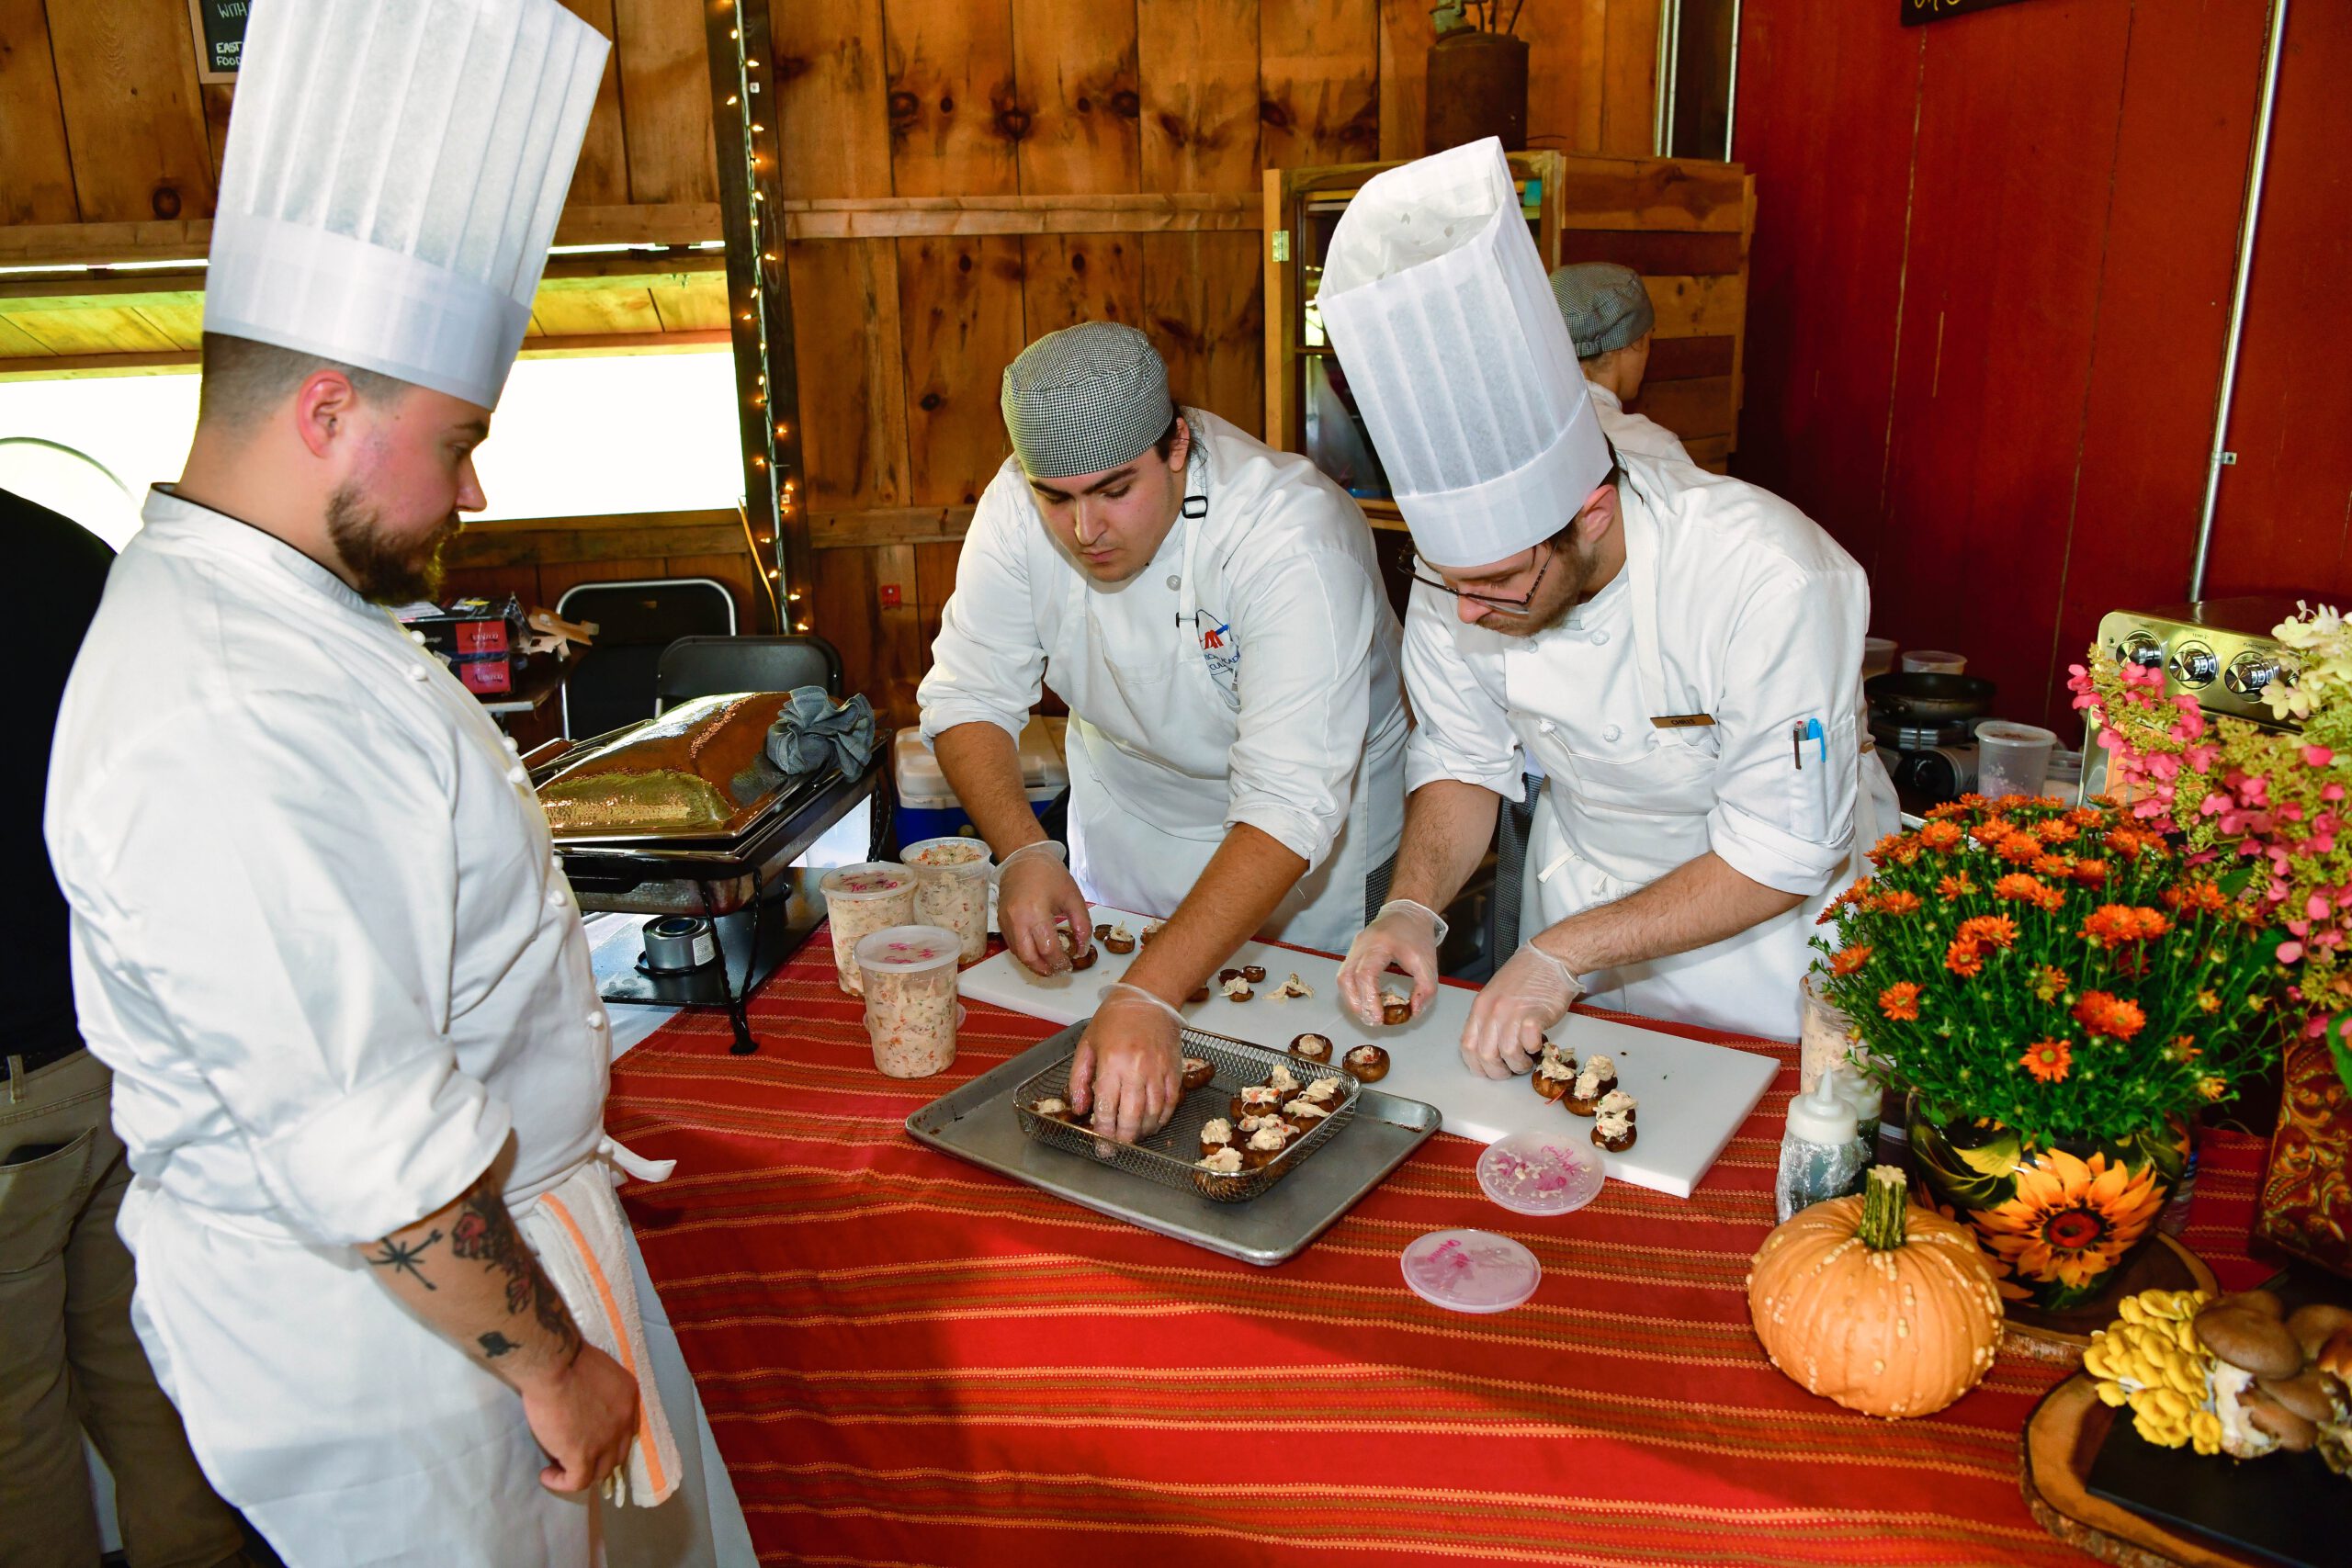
{"x":1222,"y":654}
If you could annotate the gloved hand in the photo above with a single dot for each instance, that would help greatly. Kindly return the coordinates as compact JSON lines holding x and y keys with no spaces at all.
{"x":1404,"y":935}
{"x":1034,"y":893}
{"x":1528,"y":995}
{"x":1129,"y":1068}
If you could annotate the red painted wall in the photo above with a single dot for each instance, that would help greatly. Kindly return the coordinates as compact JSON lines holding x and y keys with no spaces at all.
{"x":1989,"y":293}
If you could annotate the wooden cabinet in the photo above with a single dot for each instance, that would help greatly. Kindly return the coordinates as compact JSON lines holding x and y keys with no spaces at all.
{"x":1682,"y":223}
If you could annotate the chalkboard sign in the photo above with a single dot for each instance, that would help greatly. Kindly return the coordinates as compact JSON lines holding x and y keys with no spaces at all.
{"x":1916,"y":12}
{"x":219,"y":29}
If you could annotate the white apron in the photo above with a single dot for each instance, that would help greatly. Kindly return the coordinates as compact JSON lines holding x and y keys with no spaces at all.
{"x":1604,"y":830}
{"x":1152,"y":718}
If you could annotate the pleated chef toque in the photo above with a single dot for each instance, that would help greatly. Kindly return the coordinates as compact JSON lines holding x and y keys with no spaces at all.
{"x":1436,"y":300}
{"x":393,"y":179}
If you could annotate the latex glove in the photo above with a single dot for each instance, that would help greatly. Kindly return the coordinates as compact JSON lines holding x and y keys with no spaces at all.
{"x":1035,"y":892}
{"x":1404,"y":934}
{"x":1528,"y":995}
{"x":1129,"y":1068}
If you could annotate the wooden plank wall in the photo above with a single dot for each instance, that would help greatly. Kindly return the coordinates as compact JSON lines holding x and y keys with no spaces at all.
{"x":102,"y":120}
{"x":902,"y":337}
{"x":1998,"y":253}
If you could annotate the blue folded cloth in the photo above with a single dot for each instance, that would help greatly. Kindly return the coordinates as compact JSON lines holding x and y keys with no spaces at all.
{"x":813,"y":730}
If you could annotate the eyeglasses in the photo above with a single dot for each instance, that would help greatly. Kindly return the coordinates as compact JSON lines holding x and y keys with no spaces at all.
{"x":1517,"y":606}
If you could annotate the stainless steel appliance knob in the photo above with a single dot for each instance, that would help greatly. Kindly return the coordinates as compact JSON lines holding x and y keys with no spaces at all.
{"x":2142,"y":649}
{"x":2194,"y":664}
{"x":2250,"y":672}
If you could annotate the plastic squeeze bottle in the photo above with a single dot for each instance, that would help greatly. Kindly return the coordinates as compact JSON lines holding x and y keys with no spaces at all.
{"x":1822,"y":1154}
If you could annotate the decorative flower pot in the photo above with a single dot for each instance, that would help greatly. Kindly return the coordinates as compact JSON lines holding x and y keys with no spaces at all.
{"x":2307,"y":1194}
{"x":2056,"y":1222}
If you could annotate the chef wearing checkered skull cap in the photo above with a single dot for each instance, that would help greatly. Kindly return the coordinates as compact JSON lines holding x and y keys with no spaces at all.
{"x":319,"y":933}
{"x":1211,"y":612}
{"x":1678,"y":652}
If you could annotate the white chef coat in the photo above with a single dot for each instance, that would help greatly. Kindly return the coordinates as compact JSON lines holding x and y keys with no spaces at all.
{"x":321,"y":937}
{"x":1635,"y":432}
{"x":1744,"y":610}
{"x":1248,"y":675}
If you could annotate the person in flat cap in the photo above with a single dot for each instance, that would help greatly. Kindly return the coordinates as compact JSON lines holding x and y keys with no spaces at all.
{"x":1680,"y":652}
{"x":1610,"y":319}
{"x":318,"y":930}
{"x":1211,"y":612}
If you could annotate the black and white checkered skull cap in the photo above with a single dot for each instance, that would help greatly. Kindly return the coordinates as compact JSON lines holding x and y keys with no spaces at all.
{"x":1085,"y":399}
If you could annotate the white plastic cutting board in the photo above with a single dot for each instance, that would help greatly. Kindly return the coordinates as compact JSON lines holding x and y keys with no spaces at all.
{"x":1693,"y":1096}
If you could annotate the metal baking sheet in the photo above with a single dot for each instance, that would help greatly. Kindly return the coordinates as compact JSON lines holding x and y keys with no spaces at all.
{"x":977,"y":1122}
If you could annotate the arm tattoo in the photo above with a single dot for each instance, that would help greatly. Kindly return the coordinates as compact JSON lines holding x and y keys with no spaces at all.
{"x":485,"y":1233}
{"x":401,"y":1259}
{"x":494,"y":1345}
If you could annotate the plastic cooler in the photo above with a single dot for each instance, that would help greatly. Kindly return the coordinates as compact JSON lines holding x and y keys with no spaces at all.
{"x":928,"y":808}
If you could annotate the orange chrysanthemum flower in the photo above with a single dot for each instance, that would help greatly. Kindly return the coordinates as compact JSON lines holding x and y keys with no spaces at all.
{"x":2184,"y":1048}
{"x":2056,"y":831}
{"x":2057,"y":866}
{"x":2018,"y":885}
{"x":2048,"y":1060}
{"x":1941,"y":837}
{"x":2019,"y":848}
{"x":2132,"y":842}
{"x":1990,"y":831}
{"x":1897,"y":847}
{"x":2112,"y":925}
{"x":1899,"y":1001}
{"x":2199,"y":894}
{"x":1994,"y":930}
{"x":1851,"y":896}
{"x":2049,"y":983}
{"x":2211,"y":1089}
{"x":1945,"y":812}
{"x":2090,"y":872}
{"x":1965,"y":959}
{"x":1896,"y":902}
{"x":1950,"y":887}
{"x":1848,"y":959}
{"x":2102,"y":1014}
{"x":2208,"y":1001}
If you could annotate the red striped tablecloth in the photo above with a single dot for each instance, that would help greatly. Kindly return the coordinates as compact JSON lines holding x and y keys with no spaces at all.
{"x":908,"y":1360}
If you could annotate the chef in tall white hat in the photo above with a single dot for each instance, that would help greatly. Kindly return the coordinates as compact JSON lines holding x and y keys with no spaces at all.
{"x":1678,"y":651}
{"x":1610,"y":321}
{"x":1211,"y":612}
{"x":319,"y":933}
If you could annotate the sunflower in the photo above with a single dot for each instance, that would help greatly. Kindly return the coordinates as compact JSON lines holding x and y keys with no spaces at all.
{"x":2071,"y":1220}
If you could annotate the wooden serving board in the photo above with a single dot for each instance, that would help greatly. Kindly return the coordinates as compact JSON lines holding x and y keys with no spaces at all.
{"x":1693,"y":1096}
{"x":2061,"y":1439}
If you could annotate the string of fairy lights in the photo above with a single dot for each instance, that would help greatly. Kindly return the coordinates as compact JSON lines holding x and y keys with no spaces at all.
{"x":767,"y":248}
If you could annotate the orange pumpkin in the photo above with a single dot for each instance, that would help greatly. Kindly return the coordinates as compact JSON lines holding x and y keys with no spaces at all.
{"x":1886,"y":1308}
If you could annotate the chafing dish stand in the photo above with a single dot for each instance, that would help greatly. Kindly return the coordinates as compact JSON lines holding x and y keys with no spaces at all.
{"x":761,"y":905}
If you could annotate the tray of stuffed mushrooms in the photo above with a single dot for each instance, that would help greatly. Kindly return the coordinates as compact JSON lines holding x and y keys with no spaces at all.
{"x":1265,"y":1150}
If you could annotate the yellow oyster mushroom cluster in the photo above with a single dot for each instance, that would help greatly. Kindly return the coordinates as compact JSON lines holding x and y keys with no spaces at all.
{"x":2151,"y":1360}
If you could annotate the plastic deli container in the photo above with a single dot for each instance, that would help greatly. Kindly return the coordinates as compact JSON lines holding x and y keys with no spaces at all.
{"x":952,"y":882}
{"x":1878,"y":656}
{"x":910,"y":974}
{"x":1825,"y":1035}
{"x":1465,"y":1271}
{"x":2012,"y":759}
{"x":1935,"y":661}
{"x":868,"y":897}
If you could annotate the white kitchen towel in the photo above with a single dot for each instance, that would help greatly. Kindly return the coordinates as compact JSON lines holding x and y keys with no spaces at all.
{"x":580,"y":1235}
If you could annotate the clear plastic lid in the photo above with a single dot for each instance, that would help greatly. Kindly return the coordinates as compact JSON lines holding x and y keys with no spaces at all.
{"x":1465,"y":1271}
{"x":947,"y":854}
{"x":1541,"y":1173}
{"x":908,"y":950}
{"x":868,"y":879}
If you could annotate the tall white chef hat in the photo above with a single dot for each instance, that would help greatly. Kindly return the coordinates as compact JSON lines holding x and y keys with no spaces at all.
{"x":392,"y":180}
{"x":1437,"y":303}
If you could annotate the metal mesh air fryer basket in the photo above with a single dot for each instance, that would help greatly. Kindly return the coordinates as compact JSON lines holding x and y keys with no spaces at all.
{"x":1168,"y":1155}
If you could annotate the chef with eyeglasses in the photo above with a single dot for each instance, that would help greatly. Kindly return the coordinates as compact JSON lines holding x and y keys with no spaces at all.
{"x":1677,"y":651}
{"x":1211,"y":612}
